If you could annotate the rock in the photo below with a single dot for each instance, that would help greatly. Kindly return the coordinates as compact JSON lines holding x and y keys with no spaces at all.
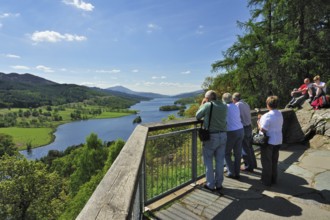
{"x":315,"y":125}
{"x":320,"y":142}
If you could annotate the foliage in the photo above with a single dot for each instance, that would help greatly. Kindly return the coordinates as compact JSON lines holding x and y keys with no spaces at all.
{"x":7,"y":145}
{"x":185,"y":101}
{"x":169,"y":108}
{"x":27,"y":91}
{"x":88,"y":162}
{"x":284,"y":42}
{"x":75,"y":204}
{"x":138,"y":119}
{"x":28,"y":191}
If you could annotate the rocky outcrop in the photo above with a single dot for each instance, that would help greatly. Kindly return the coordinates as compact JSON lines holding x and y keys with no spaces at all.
{"x":315,"y":126}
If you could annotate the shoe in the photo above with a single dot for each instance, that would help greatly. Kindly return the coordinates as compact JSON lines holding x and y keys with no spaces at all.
{"x":208,"y":188}
{"x":233,"y":176}
{"x":219,"y":190}
{"x":247,"y":170}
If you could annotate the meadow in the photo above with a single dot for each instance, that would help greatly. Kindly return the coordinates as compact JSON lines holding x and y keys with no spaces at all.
{"x":37,"y":131}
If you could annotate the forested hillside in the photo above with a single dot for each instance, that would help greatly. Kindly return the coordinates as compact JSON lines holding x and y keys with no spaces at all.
{"x":26,"y":90}
{"x":283,"y":42}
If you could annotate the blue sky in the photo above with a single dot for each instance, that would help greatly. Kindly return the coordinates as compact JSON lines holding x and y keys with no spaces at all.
{"x":161,"y":46}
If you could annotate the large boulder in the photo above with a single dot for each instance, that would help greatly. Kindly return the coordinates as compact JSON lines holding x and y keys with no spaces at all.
{"x":315,"y":124}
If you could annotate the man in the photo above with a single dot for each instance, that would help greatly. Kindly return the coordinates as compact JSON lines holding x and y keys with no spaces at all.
{"x":248,"y":155}
{"x":214,"y":148}
{"x":300,"y":95}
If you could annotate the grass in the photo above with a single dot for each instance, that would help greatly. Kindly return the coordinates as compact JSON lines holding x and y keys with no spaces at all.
{"x":36,"y":136}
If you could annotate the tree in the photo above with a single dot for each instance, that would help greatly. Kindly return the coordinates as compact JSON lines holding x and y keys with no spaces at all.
{"x":28,"y":191}
{"x":283,"y":42}
{"x":88,"y":162}
{"x":7,"y":145}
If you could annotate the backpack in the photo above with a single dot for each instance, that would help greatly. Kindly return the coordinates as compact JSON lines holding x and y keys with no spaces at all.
{"x":321,"y":102}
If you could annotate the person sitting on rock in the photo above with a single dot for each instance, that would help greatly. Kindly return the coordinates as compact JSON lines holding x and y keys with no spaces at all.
{"x":299,"y":95}
{"x":317,"y":89}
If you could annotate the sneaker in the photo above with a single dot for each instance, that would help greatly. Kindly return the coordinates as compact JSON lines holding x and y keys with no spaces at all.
{"x":208,"y":188}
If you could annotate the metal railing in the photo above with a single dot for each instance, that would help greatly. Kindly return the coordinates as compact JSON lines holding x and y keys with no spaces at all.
{"x":157,"y":159}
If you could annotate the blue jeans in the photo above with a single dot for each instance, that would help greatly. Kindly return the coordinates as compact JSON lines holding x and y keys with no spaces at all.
{"x":214,"y":149}
{"x":234,"y":143}
{"x":249,"y":158}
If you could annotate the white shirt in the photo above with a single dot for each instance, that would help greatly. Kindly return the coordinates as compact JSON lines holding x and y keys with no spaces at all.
{"x":272,"y":122}
{"x":233,"y":118}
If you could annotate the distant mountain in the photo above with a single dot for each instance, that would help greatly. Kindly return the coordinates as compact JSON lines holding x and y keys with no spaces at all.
{"x":189,"y":94}
{"x":25,"y":78}
{"x":123,"y":89}
{"x":27,"y":90}
{"x":141,"y":94}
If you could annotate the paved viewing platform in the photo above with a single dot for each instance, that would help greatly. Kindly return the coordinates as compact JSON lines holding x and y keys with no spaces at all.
{"x":302,"y":192}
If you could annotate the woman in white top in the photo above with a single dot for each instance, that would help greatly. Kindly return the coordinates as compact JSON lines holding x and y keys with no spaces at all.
{"x":317,"y":88}
{"x":271,"y":124}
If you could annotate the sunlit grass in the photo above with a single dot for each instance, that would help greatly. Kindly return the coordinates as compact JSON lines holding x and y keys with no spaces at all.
{"x":34,"y":136}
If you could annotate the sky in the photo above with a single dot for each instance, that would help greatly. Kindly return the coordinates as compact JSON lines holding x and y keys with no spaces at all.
{"x":160,"y":46}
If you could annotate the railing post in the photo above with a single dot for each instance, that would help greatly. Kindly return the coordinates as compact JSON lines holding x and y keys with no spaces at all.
{"x":143,"y":186}
{"x":194,"y":154}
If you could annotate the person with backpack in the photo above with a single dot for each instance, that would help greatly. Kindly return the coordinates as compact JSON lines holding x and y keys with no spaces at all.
{"x":317,"y":89}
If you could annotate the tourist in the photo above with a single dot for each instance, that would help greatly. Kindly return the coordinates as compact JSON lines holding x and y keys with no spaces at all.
{"x":248,"y":156}
{"x":214,"y":149}
{"x":299,"y":95}
{"x":271,"y":124}
{"x":317,"y":89}
{"x":235,"y":135}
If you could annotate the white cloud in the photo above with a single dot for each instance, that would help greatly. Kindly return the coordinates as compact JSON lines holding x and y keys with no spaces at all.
{"x":148,"y":83}
{"x":186,"y":72}
{"x":152,"y":28}
{"x":158,"y":77}
{"x":167,"y":84}
{"x":79,"y":4}
{"x":108,"y":71}
{"x":135,"y":71}
{"x":12,"y":56}
{"x":18,"y":67}
{"x":44,"y":69}
{"x":200,"y":30}
{"x":53,"y":37}
{"x":7,"y":15}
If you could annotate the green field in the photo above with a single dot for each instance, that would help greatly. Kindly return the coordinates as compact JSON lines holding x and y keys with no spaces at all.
{"x":43,"y":135}
{"x":36,"y":136}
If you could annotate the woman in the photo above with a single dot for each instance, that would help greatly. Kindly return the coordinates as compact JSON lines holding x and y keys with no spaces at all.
{"x":235,"y":135}
{"x":317,"y":88}
{"x":271,"y":124}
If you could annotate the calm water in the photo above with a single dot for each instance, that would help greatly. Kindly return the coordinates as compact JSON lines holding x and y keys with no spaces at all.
{"x":107,"y":129}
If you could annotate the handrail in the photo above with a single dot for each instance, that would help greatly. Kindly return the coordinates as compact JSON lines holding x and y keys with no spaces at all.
{"x":121,"y":193}
{"x":112,"y":199}
{"x":117,"y":194}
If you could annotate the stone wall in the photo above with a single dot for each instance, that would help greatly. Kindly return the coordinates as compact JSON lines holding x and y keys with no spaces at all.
{"x":307,"y":125}
{"x":304,"y":125}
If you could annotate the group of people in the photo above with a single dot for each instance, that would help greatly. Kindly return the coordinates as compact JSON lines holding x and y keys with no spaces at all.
{"x":307,"y":91}
{"x":231,"y":134}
